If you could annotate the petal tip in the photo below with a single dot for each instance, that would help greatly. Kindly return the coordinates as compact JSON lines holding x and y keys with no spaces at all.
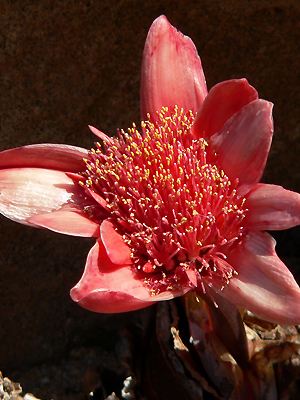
{"x":161,"y":21}
{"x":74,"y":294}
{"x":184,"y":85}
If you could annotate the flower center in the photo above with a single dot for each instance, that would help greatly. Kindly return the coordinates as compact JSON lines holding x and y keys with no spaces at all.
{"x":176,"y":209}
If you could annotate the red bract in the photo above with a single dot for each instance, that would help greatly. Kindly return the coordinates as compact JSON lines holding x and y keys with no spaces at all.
{"x":175,"y":204}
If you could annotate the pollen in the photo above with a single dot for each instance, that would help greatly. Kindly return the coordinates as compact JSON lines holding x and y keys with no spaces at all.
{"x":169,"y":198}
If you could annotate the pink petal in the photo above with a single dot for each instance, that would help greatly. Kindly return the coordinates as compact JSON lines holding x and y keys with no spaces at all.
{"x":117,"y":250}
{"x":100,"y":135}
{"x":171,"y":71}
{"x":272,"y":207}
{"x":244,"y":142}
{"x":263,"y":285}
{"x":69,"y":222}
{"x":107,"y":288}
{"x":47,"y":155}
{"x":223,"y":100}
{"x":30,"y":196}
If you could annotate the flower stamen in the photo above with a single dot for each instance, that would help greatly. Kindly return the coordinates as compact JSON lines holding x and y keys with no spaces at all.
{"x":176,"y":209}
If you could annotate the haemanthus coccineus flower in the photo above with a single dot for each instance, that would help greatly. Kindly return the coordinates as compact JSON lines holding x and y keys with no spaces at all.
{"x":175,"y":204}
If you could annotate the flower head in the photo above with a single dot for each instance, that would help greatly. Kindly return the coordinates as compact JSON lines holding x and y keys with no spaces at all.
{"x":174,"y":203}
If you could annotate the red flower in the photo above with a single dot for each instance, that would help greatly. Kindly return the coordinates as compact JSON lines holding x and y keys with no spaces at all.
{"x":175,"y":205}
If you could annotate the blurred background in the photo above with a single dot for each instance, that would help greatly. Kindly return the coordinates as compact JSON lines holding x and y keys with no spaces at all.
{"x":67,"y":64}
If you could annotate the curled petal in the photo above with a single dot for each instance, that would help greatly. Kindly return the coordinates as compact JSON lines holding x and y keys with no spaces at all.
{"x":109,"y":288}
{"x":59,"y":157}
{"x":263,"y":285}
{"x":30,"y":195}
{"x":243,"y":143}
{"x":171,"y":71}
{"x":222,"y":102}
{"x":272,"y":207}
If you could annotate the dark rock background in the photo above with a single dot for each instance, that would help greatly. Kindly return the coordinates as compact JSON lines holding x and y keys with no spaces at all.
{"x":67,"y":64}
